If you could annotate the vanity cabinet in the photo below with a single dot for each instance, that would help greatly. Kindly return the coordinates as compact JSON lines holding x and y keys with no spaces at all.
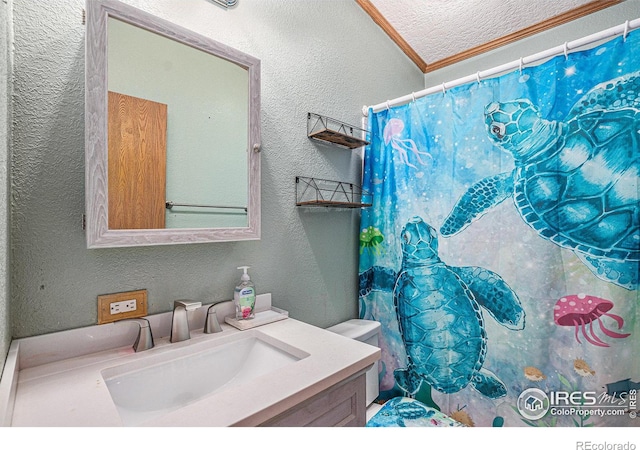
{"x":341,"y":405}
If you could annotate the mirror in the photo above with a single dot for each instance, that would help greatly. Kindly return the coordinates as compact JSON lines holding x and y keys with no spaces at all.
{"x":172,"y":124}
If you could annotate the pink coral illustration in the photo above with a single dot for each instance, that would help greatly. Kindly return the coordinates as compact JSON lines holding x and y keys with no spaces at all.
{"x":580,"y":311}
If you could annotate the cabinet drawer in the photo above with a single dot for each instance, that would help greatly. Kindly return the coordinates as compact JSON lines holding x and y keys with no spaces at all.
{"x":342,"y":405}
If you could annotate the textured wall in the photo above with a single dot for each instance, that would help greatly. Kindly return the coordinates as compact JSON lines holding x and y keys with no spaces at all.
{"x":449,"y":29}
{"x":320,"y":56}
{"x":325,"y":57}
{"x":5,"y":63}
{"x":593,"y":23}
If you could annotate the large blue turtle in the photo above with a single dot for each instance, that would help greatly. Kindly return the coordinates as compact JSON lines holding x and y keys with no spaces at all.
{"x":575,"y":182}
{"x":439,"y":316}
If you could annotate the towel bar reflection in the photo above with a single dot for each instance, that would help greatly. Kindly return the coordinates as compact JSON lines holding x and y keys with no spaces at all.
{"x":170,"y":205}
{"x":226,"y":3}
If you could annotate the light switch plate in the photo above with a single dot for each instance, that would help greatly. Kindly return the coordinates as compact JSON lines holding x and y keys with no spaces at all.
{"x":122,"y":305}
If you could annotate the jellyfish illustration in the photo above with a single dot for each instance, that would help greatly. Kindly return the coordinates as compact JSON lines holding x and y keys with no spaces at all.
{"x":581,"y":310}
{"x":371,"y":238}
{"x":391,"y":134}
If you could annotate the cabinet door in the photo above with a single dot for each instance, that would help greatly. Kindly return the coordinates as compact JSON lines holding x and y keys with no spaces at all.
{"x":342,"y":405}
{"x":137,"y":162}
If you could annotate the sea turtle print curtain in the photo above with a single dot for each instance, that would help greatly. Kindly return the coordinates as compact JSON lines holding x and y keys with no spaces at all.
{"x":501,"y":253}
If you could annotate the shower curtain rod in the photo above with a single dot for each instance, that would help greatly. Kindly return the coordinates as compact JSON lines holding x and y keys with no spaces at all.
{"x":520,"y":63}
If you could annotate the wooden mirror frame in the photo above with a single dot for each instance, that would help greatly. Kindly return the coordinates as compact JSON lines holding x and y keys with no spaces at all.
{"x":96,"y":152}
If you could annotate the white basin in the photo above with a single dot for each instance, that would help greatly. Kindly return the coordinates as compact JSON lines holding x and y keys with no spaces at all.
{"x":153,"y":386}
{"x":58,"y":379}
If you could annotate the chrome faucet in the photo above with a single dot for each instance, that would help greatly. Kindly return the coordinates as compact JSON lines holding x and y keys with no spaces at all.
{"x":211,"y":324}
{"x":180,"y":321}
{"x":144,"y":341}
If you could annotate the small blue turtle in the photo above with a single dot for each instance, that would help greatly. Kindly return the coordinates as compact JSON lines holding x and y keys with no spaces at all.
{"x":575,"y":182}
{"x":439,"y":316}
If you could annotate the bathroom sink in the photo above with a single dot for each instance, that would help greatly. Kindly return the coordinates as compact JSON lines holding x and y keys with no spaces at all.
{"x":153,"y":386}
{"x":244,"y":378}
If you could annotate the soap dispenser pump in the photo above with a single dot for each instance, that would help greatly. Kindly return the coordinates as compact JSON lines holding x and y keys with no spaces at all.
{"x":244,"y":296}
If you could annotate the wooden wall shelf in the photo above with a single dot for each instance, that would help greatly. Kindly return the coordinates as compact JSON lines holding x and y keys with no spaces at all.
{"x":326,"y":129}
{"x":316,"y":192}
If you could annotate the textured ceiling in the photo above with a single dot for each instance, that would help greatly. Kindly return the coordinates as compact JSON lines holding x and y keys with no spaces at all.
{"x":437,"y":31}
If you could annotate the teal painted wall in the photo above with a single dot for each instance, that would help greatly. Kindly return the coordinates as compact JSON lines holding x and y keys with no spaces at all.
{"x":306,"y":259}
{"x":5,"y":154}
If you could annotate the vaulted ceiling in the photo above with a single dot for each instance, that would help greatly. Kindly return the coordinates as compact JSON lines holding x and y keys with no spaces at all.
{"x":436,"y":33}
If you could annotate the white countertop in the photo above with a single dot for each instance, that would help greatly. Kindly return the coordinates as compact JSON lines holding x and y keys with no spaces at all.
{"x":72,"y":391}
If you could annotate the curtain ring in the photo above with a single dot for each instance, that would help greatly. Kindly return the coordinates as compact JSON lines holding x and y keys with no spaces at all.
{"x":444,"y":89}
{"x":626,"y":30}
{"x":387,"y":105}
{"x":478,"y":76}
{"x":413,"y":96}
{"x":566,"y":50}
{"x":521,"y":64}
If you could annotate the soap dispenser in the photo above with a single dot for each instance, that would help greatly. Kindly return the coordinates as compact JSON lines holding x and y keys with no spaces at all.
{"x":244,"y":296}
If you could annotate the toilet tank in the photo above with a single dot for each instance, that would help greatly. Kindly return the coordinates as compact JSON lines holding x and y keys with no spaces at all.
{"x":367,"y":331}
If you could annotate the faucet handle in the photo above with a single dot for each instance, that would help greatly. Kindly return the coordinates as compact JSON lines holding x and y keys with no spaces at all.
{"x":189,"y":305}
{"x":211,"y":324}
{"x":144,"y":341}
{"x":180,"y":319}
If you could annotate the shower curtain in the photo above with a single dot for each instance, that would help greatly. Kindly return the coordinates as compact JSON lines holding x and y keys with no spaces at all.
{"x":501,"y":251}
